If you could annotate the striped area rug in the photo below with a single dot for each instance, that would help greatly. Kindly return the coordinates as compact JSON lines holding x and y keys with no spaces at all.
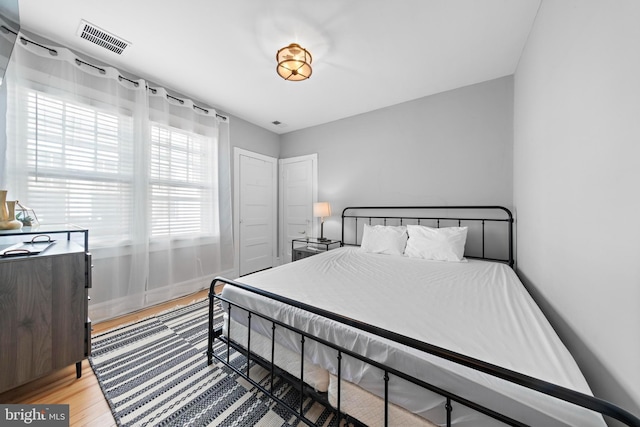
{"x":154,"y":373}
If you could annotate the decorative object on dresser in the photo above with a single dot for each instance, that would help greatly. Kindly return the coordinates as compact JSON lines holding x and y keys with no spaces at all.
{"x":44,"y":291}
{"x":8,"y":219}
{"x":303,"y":248}
{"x":26,"y":215}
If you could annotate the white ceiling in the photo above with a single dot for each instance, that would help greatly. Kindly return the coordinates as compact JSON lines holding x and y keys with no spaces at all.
{"x":367,"y":54}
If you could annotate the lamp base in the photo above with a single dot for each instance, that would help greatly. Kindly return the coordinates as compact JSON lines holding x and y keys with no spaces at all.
{"x":322,"y":238}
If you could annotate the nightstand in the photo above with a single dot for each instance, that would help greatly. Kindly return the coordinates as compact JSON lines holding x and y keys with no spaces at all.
{"x":303,"y":248}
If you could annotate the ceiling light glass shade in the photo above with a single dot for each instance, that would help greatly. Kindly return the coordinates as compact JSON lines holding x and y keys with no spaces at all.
{"x":294,"y":63}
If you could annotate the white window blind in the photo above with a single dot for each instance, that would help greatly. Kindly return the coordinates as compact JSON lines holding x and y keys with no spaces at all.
{"x":79,"y":161}
{"x":180,"y":180}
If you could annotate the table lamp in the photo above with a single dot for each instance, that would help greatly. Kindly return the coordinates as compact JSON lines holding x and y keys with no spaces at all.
{"x":322,"y":210}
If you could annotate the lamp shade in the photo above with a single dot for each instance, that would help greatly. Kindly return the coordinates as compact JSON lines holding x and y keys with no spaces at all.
{"x":321,"y":209}
{"x":294,"y":63}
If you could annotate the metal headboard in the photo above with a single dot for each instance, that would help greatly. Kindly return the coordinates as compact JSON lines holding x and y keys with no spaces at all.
{"x":477,"y":218}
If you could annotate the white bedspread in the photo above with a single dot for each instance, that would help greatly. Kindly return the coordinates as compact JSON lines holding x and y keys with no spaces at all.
{"x":476,"y":308}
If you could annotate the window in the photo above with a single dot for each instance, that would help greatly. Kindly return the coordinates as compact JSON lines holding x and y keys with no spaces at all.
{"x":79,"y":162}
{"x":81,"y":169}
{"x":181,"y":189}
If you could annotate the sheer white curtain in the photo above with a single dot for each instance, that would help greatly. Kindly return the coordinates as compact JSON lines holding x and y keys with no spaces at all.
{"x":145,"y":172}
{"x":184,"y":195}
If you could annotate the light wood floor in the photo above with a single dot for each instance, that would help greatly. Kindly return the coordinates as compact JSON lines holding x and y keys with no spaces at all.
{"x":87,"y":405}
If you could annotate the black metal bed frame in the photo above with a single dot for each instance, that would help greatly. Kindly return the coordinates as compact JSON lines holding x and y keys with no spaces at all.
{"x":583,"y":400}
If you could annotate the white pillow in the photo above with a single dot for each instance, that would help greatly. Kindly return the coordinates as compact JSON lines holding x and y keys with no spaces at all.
{"x":384,"y":239}
{"x":441,"y":244}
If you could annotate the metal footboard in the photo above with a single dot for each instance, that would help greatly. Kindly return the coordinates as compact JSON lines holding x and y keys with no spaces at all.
{"x":562,"y":393}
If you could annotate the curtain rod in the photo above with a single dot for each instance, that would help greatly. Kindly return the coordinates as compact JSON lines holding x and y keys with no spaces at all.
{"x":6,"y":29}
{"x":101,"y":70}
{"x":52,"y":52}
{"x":196,"y":107}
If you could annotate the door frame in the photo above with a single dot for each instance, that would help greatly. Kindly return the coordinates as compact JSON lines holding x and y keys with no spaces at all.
{"x":237,"y":152}
{"x":314,"y":191}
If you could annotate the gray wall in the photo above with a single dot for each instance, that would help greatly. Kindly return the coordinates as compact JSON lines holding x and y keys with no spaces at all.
{"x":576,"y":184}
{"x":248,"y":136}
{"x":253,"y":138}
{"x":451,"y":148}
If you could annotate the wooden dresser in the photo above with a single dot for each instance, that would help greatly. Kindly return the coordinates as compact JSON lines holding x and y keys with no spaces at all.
{"x":44,"y":323}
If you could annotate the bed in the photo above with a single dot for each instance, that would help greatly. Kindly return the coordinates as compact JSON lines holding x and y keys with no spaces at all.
{"x":392,"y":338}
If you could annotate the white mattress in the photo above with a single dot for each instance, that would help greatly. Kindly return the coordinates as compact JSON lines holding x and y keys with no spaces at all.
{"x":476,"y":308}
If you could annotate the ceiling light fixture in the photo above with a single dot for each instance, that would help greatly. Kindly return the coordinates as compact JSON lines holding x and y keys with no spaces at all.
{"x":294,"y":63}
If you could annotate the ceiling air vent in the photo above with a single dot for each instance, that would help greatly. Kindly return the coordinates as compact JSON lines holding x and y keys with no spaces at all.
{"x":102,"y":38}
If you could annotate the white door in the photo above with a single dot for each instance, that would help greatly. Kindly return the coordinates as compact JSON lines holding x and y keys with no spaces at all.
{"x":255,"y":195}
{"x":298,"y":190}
